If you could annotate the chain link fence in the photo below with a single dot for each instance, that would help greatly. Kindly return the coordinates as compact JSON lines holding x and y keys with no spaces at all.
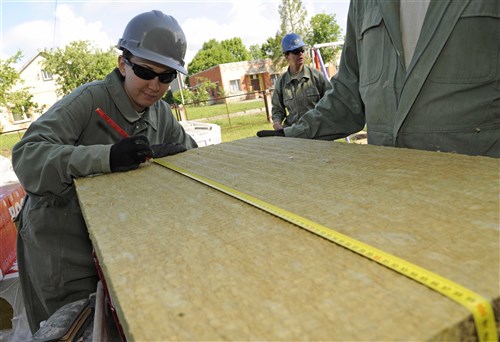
{"x":227,"y":108}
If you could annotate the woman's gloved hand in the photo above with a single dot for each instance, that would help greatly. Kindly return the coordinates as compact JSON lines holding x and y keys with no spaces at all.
{"x":167,"y":149}
{"x":128,"y":153}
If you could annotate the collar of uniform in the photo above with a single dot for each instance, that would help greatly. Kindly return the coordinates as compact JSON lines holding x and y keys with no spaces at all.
{"x":114,"y":83}
{"x":306,"y":73}
{"x":151,"y":116}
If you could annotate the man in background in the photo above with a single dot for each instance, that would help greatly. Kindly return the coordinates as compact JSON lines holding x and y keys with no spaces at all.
{"x":299,"y":88}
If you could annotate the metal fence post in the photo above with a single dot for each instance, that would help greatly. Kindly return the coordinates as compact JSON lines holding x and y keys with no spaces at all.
{"x":227,"y":111}
{"x":267,"y":103}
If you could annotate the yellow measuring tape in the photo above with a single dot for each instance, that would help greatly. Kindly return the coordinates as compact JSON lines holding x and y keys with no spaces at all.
{"x":480,"y":308}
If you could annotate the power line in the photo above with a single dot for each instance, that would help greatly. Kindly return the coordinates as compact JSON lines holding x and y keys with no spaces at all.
{"x":55,"y":25}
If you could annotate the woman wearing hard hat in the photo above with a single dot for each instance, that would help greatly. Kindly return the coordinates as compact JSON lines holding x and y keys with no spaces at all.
{"x":71,"y":140}
{"x":299,"y":88}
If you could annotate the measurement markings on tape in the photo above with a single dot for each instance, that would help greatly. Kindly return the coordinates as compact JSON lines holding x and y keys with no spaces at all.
{"x":480,"y":308}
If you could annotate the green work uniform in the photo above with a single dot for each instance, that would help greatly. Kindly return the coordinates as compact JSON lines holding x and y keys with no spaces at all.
{"x":448,"y":99}
{"x":70,"y":140}
{"x":297,"y":95}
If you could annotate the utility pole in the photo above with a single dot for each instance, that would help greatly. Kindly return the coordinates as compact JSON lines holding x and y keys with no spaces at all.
{"x":181,"y":108}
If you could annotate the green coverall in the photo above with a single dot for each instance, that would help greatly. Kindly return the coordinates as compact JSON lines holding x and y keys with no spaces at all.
{"x":447,"y":100}
{"x":70,"y":140}
{"x":297,"y":96}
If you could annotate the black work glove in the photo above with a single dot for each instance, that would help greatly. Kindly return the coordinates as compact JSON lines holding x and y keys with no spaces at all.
{"x":167,"y":149}
{"x":271,"y":133}
{"x":128,"y":153}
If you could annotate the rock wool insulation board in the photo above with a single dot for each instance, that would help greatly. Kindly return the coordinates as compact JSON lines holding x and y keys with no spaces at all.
{"x":186,"y":262}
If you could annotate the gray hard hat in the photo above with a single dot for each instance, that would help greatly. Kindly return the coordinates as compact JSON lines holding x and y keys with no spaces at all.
{"x":157,"y":37}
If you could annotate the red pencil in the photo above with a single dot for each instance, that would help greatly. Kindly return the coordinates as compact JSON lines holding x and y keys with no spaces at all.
{"x":110,"y":121}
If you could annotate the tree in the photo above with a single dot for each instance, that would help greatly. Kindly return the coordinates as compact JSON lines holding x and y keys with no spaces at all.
{"x":214,"y":53}
{"x":8,"y":76}
{"x":187,"y":94}
{"x":203,"y":91}
{"x":169,"y":97}
{"x":211,"y":53}
{"x":272,"y":47}
{"x":256,"y":52}
{"x":293,"y":17}
{"x":18,"y":101}
{"x":78,"y":63}
{"x":324,"y":29}
{"x":236,"y":48}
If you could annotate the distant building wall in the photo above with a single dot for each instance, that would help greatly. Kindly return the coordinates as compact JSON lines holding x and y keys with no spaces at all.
{"x":239,"y":78}
{"x":213,"y":74}
{"x":41,"y":84}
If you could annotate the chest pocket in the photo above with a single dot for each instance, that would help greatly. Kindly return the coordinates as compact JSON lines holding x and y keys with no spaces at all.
{"x":288,"y":98}
{"x":472,"y":53}
{"x":371,"y":38}
{"x":312,"y":93}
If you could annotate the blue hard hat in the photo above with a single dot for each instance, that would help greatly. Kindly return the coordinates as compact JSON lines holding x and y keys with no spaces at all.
{"x":291,"y":41}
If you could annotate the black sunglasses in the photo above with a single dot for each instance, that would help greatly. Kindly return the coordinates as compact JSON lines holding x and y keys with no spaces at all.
{"x":297,"y":51}
{"x":148,"y":74}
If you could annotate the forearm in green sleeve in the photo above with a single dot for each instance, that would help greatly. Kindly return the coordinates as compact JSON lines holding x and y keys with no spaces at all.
{"x":55,"y":166}
{"x":337,"y":115}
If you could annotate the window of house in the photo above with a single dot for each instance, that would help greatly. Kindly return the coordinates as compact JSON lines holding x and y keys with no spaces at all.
{"x":19,"y":117}
{"x":235,"y":86}
{"x":46,"y":76}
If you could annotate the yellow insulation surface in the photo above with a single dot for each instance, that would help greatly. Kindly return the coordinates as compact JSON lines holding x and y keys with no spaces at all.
{"x":186,"y":262}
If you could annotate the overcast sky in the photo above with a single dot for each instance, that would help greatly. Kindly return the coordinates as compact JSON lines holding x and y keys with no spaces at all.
{"x":31,"y":26}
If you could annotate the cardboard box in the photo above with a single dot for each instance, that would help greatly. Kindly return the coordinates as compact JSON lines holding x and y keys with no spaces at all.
{"x":203,"y":133}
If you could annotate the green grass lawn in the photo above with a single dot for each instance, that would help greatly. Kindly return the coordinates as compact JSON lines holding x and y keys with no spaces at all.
{"x":233,"y":127}
{"x":7,"y":141}
{"x":242,"y":126}
{"x":195,"y":113}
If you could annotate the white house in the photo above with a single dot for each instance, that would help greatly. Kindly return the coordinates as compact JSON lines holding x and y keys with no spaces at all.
{"x":40,"y":84}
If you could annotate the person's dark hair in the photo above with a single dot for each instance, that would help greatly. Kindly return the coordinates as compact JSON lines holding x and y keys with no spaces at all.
{"x":127,"y":55}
